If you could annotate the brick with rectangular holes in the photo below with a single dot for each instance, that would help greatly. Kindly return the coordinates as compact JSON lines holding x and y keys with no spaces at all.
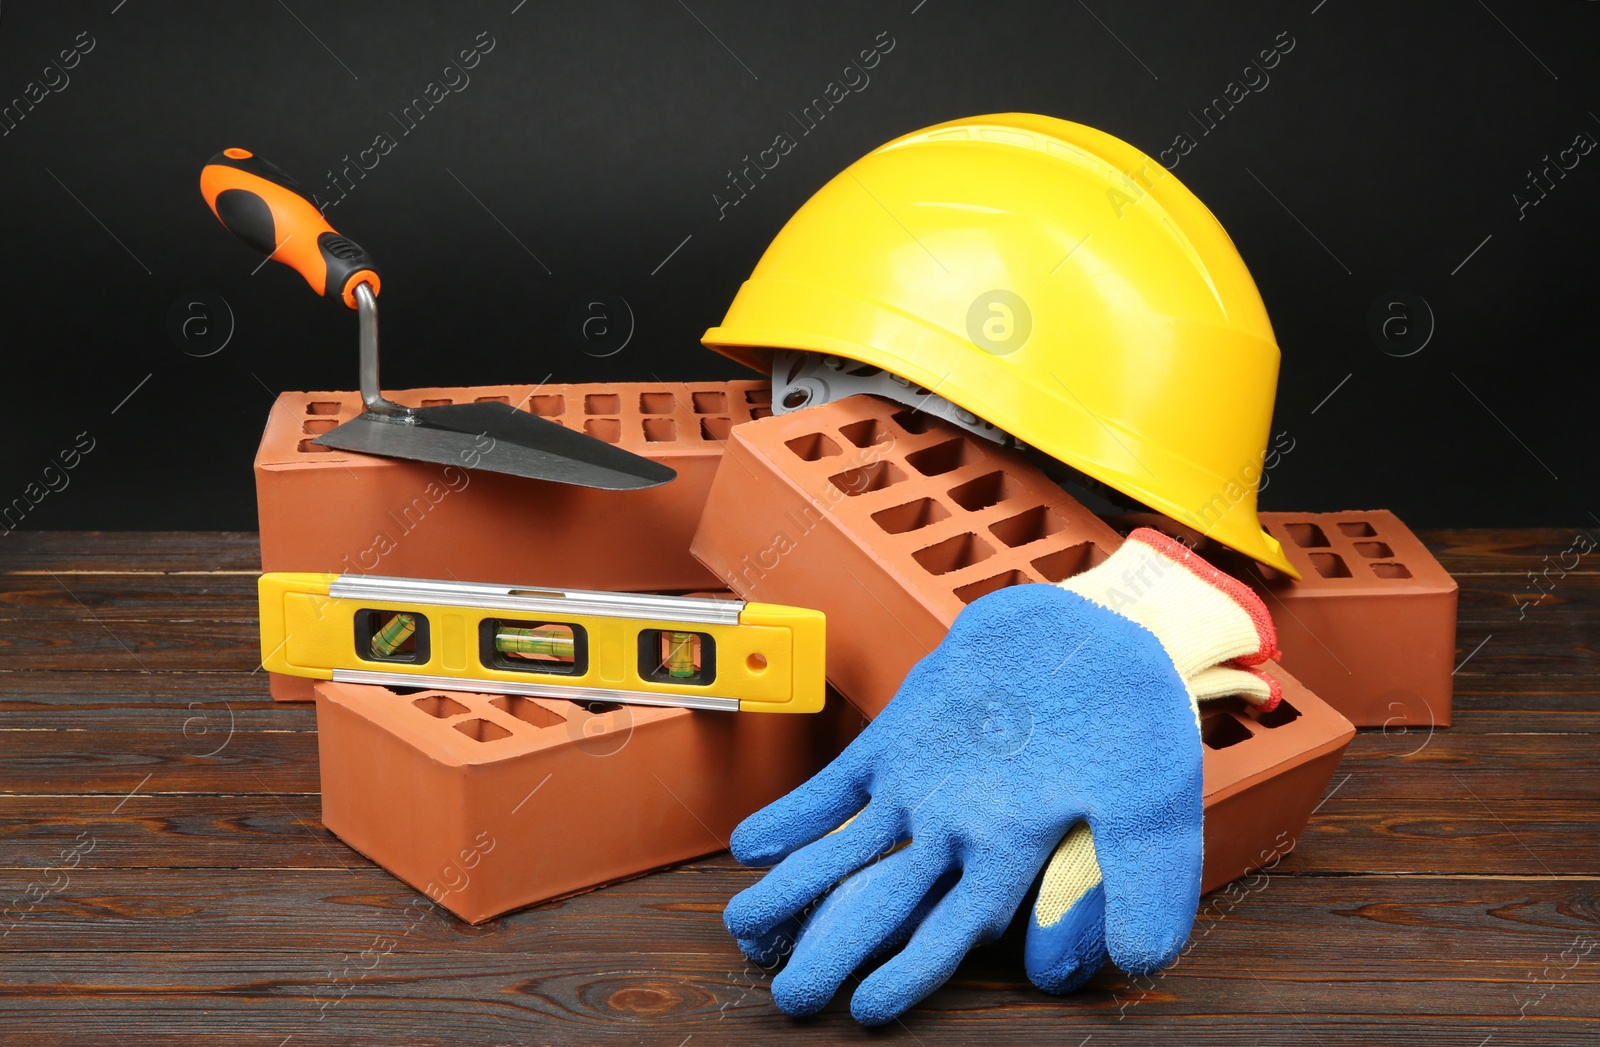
{"x":1264,"y":775}
{"x":891,"y":522}
{"x":344,"y":512}
{"x":1371,"y":624}
{"x":487,"y":804}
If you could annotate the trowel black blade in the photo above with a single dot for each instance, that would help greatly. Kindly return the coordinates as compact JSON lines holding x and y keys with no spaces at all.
{"x":501,"y":439}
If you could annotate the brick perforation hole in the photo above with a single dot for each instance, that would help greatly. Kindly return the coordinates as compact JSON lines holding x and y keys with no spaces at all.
{"x":988,"y":489}
{"x":913,"y":421}
{"x":1064,"y":563}
{"x":1222,"y":730}
{"x":944,"y":457}
{"x":1282,"y":714}
{"x":527,"y":710}
{"x":439,"y":705}
{"x":911,"y":516}
{"x":813,"y":446}
{"x":481,"y":730}
{"x":660,"y":430}
{"x":953,"y":554}
{"x":874,"y":477}
{"x":1330,"y":565}
{"x":974,"y":590}
{"x":1306,"y":535}
{"x":869,"y":432}
{"x":1028,"y":526}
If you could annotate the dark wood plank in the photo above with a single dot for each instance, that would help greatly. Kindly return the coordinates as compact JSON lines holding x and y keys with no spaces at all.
{"x":1451,"y":836}
{"x":196,"y":703}
{"x":1505,"y":703}
{"x":1454,"y":835}
{"x":175,"y":760}
{"x":125,"y":621}
{"x":1339,"y":956}
{"x":1559,"y":637}
{"x":1509,"y":606}
{"x":74,"y":597}
{"x":38,"y":699}
{"x":250,"y":830}
{"x":44,"y":700}
{"x":1459,"y":550}
{"x":121,"y":552}
{"x":1515,"y":604}
{"x":1480,"y":550}
{"x":1445,"y":764}
{"x":131,"y":646}
{"x":1280,"y":916}
{"x":1394,"y":765}
{"x":1556,"y":632}
{"x":386,"y":1022}
{"x":215,"y":908}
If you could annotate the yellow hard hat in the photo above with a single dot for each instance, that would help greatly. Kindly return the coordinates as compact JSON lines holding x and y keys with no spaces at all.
{"x":1052,"y":280}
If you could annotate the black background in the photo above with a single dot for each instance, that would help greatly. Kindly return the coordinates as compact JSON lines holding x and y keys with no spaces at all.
{"x":597,"y":134}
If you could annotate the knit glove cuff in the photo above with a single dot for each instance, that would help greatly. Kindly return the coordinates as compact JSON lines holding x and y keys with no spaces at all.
{"x":1201,"y":616}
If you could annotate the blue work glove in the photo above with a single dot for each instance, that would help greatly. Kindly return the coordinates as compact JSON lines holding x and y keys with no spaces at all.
{"x":1065,"y":942}
{"x":1043,"y":707}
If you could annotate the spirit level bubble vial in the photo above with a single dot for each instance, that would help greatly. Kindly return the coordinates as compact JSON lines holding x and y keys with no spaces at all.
{"x":578,"y":644}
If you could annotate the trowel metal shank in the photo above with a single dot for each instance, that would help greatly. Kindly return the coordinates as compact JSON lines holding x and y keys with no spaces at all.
{"x":492,"y":436}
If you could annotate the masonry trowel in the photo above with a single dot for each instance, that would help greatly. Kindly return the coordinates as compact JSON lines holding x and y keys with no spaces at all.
{"x":270,"y":212}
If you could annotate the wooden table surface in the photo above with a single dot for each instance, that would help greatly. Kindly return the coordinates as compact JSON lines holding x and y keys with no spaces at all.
{"x":164,"y":877}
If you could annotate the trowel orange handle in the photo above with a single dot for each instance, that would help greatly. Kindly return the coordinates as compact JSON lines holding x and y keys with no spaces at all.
{"x":268,"y":210}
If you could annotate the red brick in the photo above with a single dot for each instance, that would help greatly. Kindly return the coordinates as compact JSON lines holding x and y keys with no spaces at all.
{"x":343,"y":512}
{"x":487,"y":804}
{"x":1370,"y":625}
{"x":889,"y":530}
{"x":890,"y":522}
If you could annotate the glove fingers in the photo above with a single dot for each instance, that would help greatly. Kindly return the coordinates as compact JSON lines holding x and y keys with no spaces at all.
{"x":1256,"y":686}
{"x":771,"y":946}
{"x":975,"y":910}
{"x":800,"y":878}
{"x":1150,"y":860}
{"x":1066,"y":942}
{"x":853,"y":922}
{"x":818,"y":807}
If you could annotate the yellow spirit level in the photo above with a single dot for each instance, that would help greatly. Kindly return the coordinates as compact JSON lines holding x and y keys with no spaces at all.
{"x":555,"y":643}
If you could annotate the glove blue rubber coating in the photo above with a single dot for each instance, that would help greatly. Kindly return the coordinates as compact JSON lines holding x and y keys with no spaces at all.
{"x":864,"y":918}
{"x":1061,"y":957}
{"x":771,"y":949}
{"x":993,"y":748}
